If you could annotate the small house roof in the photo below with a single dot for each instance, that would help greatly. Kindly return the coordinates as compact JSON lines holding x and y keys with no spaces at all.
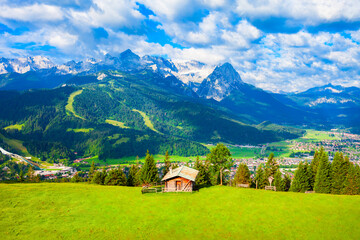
{"x":185,"y":172}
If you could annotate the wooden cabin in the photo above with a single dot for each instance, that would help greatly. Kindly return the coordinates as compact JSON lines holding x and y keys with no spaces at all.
{"x":181,"y":179}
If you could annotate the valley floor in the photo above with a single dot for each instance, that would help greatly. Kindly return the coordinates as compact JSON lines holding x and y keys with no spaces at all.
{"x":84,"y":211}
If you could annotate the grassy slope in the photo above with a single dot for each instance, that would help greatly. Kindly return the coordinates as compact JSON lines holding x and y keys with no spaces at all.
{"x":81,"y":211}
{"x":15,"y":126}
{"x":69,"y":107}
{"x":116,"y":123}
{"x":147,"y":120}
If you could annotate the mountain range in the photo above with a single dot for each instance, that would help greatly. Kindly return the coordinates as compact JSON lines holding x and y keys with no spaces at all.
{"x":122,"y":105}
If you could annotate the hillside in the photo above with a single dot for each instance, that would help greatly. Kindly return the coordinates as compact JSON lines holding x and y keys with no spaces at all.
{"x":123,"y":114}
{"x":82,"y":211}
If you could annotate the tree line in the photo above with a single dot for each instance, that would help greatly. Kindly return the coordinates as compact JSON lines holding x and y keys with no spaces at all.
{"x":322,"y":176}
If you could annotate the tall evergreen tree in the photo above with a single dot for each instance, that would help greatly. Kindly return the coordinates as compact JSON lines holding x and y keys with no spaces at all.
{"x":31,"y":174}
{"x":287,"y":182}
{"x":279,"y":182}
{"x":97,"y":178}
{"x":149,"y":172}
{"x":323,"y":178}
{"x":242,"y":175}
{"x":203,"y":177}
{"x":132,"y":177}
{"x":103,"y":176}
{"x":339,"y":170}
{"x":92,"y":171}
{"x":260,"y":179}
{"x":271,"y":166}
{"x":352,"y":181}
{"x":315,"y":164}
{"x":220,"y":157}
{"x":167,"y":163}
{"x":301,"y":181}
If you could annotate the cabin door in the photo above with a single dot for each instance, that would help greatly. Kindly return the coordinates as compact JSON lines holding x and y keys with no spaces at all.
{"x":178,"y":185}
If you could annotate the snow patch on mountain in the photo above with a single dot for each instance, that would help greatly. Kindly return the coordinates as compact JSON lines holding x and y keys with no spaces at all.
{"x":324,"y":100}
{"x":333,"y":90}
{"x":192,"y":71}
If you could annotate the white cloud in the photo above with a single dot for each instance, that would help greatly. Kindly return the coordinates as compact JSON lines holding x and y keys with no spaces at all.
{"x":309,"y":11}
{"x":243,"y":34}
{"x":108,"y":13}
{"x":36,"y":12}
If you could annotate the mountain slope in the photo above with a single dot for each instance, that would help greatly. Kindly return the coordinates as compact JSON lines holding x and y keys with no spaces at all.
{"x":111,"y":118}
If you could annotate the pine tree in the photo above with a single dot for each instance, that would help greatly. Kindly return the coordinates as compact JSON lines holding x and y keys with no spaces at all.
{"x":97,"y":178}
{"x":242,"y":175}
{"x":149,"y":172}
{"x":31,"y":174}
{"x":167,"y":163}
{"x":287,"y":182}
{"x":91,"y":171}
{"x":352,"y":181}
{"x":315,"y":164}
{"x":301,"y":181}
{"x":260,"y":179}
{"x":271,"y":166}
{"x":103,"y":176}
{"x":339,"y":170}
{"x":131,"y":180}
{"x":279,"y":182}
{"x":203,"y":177}
{"x":323,"y":178}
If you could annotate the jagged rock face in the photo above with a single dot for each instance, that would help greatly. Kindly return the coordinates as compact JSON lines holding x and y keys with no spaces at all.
{"x":160,"y":65}
{"x":220,"y":83}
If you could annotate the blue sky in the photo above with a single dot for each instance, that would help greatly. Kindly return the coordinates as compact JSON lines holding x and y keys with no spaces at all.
{"x":278,"y":45}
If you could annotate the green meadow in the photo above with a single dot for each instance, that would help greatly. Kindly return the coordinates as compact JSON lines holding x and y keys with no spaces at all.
{"x":147,"y":120}
{"x":116,"y":123}
{"x":15,"y":126}
{"x":85,"y":211}
{"x":69,"y":106}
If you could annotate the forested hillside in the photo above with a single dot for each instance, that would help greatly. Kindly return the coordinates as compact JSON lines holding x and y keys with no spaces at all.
{"x":122,"y":115}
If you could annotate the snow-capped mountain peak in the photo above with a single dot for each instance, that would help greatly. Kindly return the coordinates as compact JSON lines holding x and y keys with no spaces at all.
{"x":23,"y":65}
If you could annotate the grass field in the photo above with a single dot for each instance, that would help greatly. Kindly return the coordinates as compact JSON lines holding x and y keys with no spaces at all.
{"x":312,"y":135}
{"x":116,"y":123}
{"x":147,"y":121}
{"x":83,"y":211}
{"x":133,"y":160}
{"x":69,"y":106}
{"x":15,"y":126}
{"x":77,"y":130}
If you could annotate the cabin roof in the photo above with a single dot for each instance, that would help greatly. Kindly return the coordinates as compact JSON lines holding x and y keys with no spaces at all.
{"x":185,"y":172}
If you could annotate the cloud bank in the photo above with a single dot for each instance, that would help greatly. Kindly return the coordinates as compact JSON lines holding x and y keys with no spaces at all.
{"x":277,"y":45}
